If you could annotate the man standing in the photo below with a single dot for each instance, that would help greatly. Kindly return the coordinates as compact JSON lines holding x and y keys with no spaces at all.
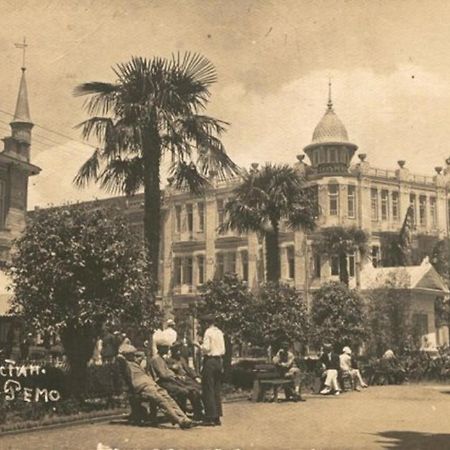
{"x":213,"y":348}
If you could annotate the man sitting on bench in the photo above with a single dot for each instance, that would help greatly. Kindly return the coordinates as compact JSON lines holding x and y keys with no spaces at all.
{"x":176,"y":385}
{"x":284,"y":360}
{"x":331,"y":365}
{"x":145,"y":387}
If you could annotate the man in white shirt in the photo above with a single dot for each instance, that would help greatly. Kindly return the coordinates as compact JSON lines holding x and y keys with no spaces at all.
{"x":166,"y":337}
{"x":213,"y":348}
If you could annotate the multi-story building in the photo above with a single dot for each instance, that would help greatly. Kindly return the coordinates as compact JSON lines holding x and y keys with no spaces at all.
{"x":349,"y":192}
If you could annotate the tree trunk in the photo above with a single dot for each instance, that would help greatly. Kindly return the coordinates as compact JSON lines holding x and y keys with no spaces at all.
{"x":273,"y":268}
{"x":152,"y":201}
{"x":78,"y":343}
{"x":343,"y":272}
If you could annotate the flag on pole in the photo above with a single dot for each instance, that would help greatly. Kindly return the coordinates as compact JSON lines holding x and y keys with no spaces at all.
{"x":405,"y":238}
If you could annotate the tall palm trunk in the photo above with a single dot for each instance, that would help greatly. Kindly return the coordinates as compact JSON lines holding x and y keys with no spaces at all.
{"x":273,"y":268}
{"x":152,"y":200}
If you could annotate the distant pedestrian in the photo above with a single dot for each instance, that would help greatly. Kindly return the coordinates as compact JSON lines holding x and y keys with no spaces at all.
{"x":109,"y":347}
{"x":213,"y":348}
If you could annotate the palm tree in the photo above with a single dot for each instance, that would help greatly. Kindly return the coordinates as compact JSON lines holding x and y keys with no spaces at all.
{"x":342,"y":241}
{"x":264,"y":199}
{"x":152,"y":110}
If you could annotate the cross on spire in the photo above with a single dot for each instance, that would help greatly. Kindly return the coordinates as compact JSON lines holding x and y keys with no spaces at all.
{"x":23,"y":46}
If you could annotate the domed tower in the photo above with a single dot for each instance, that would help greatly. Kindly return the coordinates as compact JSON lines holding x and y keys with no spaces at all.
{"x":330,"y":150}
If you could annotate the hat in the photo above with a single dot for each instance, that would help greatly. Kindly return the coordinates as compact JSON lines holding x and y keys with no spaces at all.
{"x":170,"y":322}
{"x":127,"y":348}
{"x":209,"y":318}
{"x":177,"y":344}
{"x":327,"y":345}
{"x":347,"y":350}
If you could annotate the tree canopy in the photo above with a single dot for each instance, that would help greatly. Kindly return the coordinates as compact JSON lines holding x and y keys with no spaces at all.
{"x":155,"y":108}
{"x":266,"y":198}
{"x":76,"y":268}
{"x":338,"y":316}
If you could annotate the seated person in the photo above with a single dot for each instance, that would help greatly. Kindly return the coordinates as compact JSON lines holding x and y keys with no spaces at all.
{"x":179,"y":364}
{"x":174,"y":384}
{"x":345,"y":361}
{"x":330,"y":365}
{"x":145,"y":387}
{"x":285,"y":362}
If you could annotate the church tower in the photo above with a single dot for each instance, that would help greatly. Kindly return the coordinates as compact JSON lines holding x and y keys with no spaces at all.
{"x":15,"y":169}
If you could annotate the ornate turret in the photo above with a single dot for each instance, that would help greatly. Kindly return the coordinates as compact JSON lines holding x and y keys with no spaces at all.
{"x":330,"y":150}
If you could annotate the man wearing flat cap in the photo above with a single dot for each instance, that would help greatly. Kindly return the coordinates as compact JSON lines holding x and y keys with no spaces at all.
{"x":213,"y":348}
{"x":147,"y":389}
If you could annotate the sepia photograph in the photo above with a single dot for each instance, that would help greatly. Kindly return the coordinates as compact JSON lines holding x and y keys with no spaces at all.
{"x":224,"y":224}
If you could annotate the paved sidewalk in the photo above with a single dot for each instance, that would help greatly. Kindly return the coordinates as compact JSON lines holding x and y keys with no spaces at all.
{"x":403,"y":417}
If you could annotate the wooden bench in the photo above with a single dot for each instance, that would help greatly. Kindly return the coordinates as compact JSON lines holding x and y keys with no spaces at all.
{"x":266,"y":377}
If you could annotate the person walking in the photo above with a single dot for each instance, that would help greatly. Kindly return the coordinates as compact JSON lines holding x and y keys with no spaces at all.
{"x":213,"y":348}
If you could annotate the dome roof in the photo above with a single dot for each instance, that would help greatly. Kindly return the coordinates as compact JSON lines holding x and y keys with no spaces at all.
{"x":330,"y":129}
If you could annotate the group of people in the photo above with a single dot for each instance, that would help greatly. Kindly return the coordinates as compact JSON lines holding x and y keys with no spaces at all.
{"x":338,"y":366}
{"x":167,"y":380}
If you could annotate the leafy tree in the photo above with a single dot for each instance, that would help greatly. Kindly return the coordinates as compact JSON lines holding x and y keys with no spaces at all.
{"x":389,"y":317}
{"x":440,"y":258}
{"x":231,"y":302}
{"x":74,"y":269}
{"x":338,"y":316}
{"x":281,"y":316}
{"x":153,"y":109}
{"x":342,"y":241}
{"x":266,"y":198}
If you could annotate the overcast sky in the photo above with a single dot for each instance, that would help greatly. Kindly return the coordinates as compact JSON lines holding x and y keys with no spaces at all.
{"x":389,"y":62}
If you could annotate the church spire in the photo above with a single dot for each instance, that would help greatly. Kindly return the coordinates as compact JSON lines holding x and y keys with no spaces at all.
{"x":22,"y":112}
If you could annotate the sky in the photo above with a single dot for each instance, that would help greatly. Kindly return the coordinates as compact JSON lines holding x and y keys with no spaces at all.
{"x":388,"y":61}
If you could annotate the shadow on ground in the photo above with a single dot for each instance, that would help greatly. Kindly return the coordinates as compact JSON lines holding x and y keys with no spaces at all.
{"x":414,"y":440}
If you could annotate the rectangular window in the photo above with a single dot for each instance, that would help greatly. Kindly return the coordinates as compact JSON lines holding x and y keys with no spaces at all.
{"x":333,"y":195}
{"x":187,"y":270}
{"x":412,"y":202}
{"x":290,"y":262}
{"x":201,"y":269}
{"x":177,"y":218}
{"x":351,"y":201}
{"x":230,"y":262}
{"x":374,"y":203}
{"x":201,"y":217}
{"x":317,"y":265}
{"x":244,"y":263}
{"x":384,"y":204}
{"x":177,"y":275}
{"x":351,"y":265}
{"x":333,"y":155}
{"x":433,"y":212}
{"x":190,"y":218}
{"x":220,"y":213}
{"x":335,"y":265}
{"x":220,"y":265}
{"x":395,"y":206}
{"x":322,"y":156}
{"x":423,"y":210}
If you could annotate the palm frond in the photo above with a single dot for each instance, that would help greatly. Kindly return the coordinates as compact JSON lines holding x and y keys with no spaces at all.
{"x":122,"y":175}
{"x":186,"y":176}
{"x":88,"y":171}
